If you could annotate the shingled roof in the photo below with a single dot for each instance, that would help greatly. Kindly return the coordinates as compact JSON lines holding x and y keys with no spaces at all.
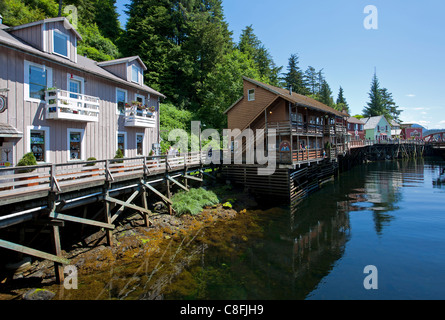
{"x":294,"y":98}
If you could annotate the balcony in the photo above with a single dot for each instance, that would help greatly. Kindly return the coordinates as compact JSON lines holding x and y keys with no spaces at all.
{"x":139,"y":117}
{"x":64,"y":105}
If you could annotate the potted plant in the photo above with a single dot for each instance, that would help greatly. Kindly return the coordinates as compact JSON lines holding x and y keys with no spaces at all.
{"x":119,"y":155}
{"x":28,"y":160}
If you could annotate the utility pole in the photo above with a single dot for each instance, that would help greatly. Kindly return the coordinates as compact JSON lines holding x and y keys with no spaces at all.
{"x":60,"y":8}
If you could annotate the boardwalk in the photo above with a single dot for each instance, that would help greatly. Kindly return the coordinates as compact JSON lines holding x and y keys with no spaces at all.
{"x":17,"y":185}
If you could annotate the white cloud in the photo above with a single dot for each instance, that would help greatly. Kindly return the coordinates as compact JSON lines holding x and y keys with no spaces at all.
{"x":419,"y":108}
{"x":410,"y":95}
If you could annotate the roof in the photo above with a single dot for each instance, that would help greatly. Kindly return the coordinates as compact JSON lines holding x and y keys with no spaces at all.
{"x":294,"y":98}
{"x":8,"y":131}
{"x":355,"y":120}
{"x":83,"y":64}
{"x":65,"y":21}
{"x":372,"y":122}
{"x":122,"y":60}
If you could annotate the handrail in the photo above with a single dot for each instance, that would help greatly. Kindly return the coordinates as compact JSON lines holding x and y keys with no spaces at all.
{"x":54,"y":177}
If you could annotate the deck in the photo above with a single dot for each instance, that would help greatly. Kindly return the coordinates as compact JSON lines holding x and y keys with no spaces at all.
{"x":18,"y":186}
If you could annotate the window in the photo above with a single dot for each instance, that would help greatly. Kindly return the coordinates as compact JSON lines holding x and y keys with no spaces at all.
{"x":75,"y":85}
{"x":37,"y":79}
{"x":135,"y":74}
{"x":140,"y":144}
{"x":60,"y":43}
{"x":251,"y":95}
{"x":38,"y":144}
{"x":75,"y":144}
{"x":122,"y":142}
{"x":121,"y":99}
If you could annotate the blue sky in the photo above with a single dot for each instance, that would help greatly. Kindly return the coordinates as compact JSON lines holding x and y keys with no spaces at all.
{"x":407,"y":49}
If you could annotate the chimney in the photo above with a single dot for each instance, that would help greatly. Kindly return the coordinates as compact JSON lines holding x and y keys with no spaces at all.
{"x":290,"y":89}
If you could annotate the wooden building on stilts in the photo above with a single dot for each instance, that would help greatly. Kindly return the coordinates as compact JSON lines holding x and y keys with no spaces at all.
{"x":309,"y":138}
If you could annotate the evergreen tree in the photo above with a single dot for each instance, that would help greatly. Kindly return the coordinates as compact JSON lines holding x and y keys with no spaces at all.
{"x":381,"y":102}
{"x":250,"y":45}
{"x":392,"y":111}
{"x":294,"y":77}
{"x":341,"y":101}
{"x":375,"y":105}
{"x":311,"y":78}
{"x":325,"y":95}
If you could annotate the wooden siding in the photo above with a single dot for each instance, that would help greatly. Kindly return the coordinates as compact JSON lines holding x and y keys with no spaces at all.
{"x":100,"y":138}
{"x":48,"y":37}
{"x":119,"y":70}
{"x":32,"y":35}
{"x":241,"y":115}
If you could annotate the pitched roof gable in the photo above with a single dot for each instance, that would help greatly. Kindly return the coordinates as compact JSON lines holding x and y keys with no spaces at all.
{"x":294,"y":98}
{"x":122,"y":60}
{"x":65,"y":21}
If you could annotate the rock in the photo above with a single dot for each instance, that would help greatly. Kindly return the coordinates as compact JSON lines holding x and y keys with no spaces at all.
{"x":19,"y":267}
{"x":38,"y":294}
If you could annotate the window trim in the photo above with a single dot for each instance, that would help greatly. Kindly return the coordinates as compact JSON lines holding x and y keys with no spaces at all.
{"x":125,"y":141}
{"x":117,"y":103}
{"x":138,"y":71}
{"x":49,"y":79}
{"x":143,"y":143}
{"x":249,"y":95}
{"x":67,"y":37}
{"x":136,"y":96}
{"x":76,"y":78}
{"x":47,"y":141}
{"x":82,"y":144}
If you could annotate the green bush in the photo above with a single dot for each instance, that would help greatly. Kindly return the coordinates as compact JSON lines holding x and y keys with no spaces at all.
{"x":119,"y":155}
{"x":27,"y":160}
{"x":92,"y":163}
{"x":192,"y":202}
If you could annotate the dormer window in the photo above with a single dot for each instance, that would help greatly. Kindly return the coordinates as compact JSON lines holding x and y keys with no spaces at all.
{"x":135,"y":74}
{"x":60,"y":43}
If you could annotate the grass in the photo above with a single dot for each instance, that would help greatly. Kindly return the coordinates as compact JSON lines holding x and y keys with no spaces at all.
{"x":194,"y":201}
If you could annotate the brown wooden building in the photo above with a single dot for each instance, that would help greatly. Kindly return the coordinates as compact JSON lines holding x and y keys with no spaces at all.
{"x":307,"y":130}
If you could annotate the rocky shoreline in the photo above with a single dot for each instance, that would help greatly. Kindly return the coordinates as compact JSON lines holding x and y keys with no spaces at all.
{"x":132,"y":242}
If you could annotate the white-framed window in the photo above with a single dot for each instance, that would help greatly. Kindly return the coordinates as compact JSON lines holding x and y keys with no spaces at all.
{"x":251,"y":95}
{"x":122,"y":142}
{"x":140,"y":147}
{"x":135,"y":74}
{"x":76,"y":145}
{"x":38,"y":143}
{"x":60,"y":44}
{"x":75,"y":85}
{"x":121,"y":100}
{"x":37,"y":79}
{"x":139,"y":98}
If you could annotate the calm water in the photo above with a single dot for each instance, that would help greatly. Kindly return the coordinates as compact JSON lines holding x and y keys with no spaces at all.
{"x":388,"y":214}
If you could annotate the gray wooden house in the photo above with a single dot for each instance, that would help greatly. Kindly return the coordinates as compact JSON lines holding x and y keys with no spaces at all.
{"x":65,"y":107}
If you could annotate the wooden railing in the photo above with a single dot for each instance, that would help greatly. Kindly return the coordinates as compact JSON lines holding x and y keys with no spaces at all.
{"x":54,"y":177}
{"x":307,"y":154}
{"x":65,"y":105}
{"x":135,"y":117}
